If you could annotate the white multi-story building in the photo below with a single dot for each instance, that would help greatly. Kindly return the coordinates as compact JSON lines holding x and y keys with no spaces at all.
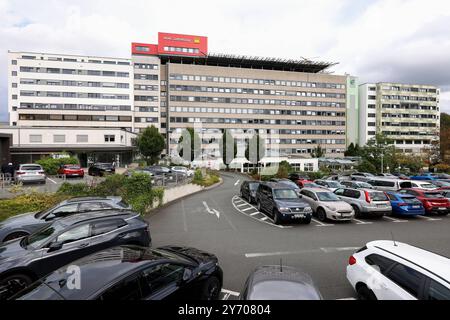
{"x":55,"y":90}
{"x":408,"y":114}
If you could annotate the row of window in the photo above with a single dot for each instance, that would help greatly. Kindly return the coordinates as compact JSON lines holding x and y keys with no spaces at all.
{"x":60,"y":59}
{"x":52,"y":106}
{"x":146,"y":66}
{"x":146,"y":98}
{"x":145,"y":87}
{"x":181,"y":49}
{"x":146,"y":109}
{"x":407,"y":106}
{"x":409,"y":124}
{"x":67,"y":83}
{"x":266,"y":82}
{"x":269,"y":131}
{"x":146,"y":120}
{"x":408,"y":98}
{"x":408,"y":89}
{"x":69,"y":117}
{"x":257,"y":101}
{"x":258,"y":111}
{"x":407,"y":133}
{"x":258,"y":121}
{"x":76,"y":72}
{"x":139,"y":76}
{"x":56,"y":94}
{"x":61,"y":138}
{"x":413,"y":116}
{"x":412,"y":141}
{"x":309,"y":141}
{"x":257,"y":91}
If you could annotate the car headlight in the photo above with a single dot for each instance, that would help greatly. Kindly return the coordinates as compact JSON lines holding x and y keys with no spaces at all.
{"x":283,"y":209}
{"x":307,"y":210}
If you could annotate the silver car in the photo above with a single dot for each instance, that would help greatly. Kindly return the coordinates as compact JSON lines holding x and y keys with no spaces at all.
{"x":30,"y":173}
{"x":366,"y":202}
{"x":329,"y":184}
{"x":327,"y":205}
{"x":357,"y":185}
{"x":362,"y":176}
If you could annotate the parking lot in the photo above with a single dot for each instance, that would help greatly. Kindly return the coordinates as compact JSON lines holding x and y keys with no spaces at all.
{"x":219,"y":221}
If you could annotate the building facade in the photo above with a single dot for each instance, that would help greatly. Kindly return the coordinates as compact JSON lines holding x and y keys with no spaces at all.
{"x":407,"y":114}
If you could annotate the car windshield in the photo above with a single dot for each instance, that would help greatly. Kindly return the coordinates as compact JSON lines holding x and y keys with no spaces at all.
{"x":433,"y":195}
{"x":409,"y":199}
{"x":378,"y":196}
{"x":311,"y":185}
{"x":290,"y":184}
{"x":31,"y":168}
{"x":253,"y":186}
{"x":364,"y":185}
{"x":427,"y":186}
{"x":442,"y":183}
{"x":327,"y":196}
{"x":285,"y":194}
{"x":41,"y":214}
{"x":333,"y":184}
{"x":72,"y":167}
{"x":35,"y":240}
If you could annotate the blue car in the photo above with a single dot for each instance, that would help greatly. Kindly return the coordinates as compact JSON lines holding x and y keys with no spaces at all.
{"x":426,"y":176}
{"x":405,"y":204}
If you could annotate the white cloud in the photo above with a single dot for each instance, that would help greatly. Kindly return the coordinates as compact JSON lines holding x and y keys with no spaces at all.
{"x":384,"y":40}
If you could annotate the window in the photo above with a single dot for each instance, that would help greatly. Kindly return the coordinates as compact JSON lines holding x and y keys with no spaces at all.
{"x":14,"y":85}
{"x":91,"y":206}
{"x":14,"y":73}
{"x":105,"y":226}
{"x":82,"y":138}
{"x":59,"y":138}
{"x":407,"y":278}
{"x":159,"y":277}
{"x":437,"y":291}
{"x":127,"y":289}
{"x":14,"y":62}
{"x":382,"y":263}
{"x":75,"y":234}
{"x":71,"y":208}
{"x":110,"y":138}
{"x":35,"y":138}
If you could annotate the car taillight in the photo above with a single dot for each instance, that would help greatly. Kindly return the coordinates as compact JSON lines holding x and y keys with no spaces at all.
{"x":426,"y":204}
{"x":19,"y":173}
{"x":368,"y":200}
{"x":41,"y":172}
{"x":352,"y":261}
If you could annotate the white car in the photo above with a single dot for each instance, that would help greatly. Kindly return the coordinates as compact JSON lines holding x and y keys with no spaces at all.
{"x":30,"y":173}
{"x":424,"y":185}
{"x":184,"y":170}
{"x":389,"y":270}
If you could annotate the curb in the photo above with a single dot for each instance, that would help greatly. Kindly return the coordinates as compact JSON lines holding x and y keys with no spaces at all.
{"x":156,"y":210}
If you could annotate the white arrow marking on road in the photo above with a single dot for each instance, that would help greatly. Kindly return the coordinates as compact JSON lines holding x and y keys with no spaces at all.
{"x":217,"y":213}
{"x":237,"y":182}
{"x":213,"y":211}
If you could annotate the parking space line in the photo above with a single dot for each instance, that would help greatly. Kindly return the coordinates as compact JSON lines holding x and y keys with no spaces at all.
{"x":361,"y":222}
{"x":229,"y":293}
{"x":248,"y":209}
{"x":241,"y":205}
{"x":255,"y":213}
{"x":51,"y":180}
{"x":395,"y":220}
{"x":321,"y":224}
{"x":428,"y":218}
{"x":264,"y":219}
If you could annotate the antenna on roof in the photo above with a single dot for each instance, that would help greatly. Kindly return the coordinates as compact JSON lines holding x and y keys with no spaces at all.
{"x":395,"y":243}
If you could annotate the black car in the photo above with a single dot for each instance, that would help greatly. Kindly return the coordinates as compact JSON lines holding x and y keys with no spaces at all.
{"x":282,"y":203}
{"x":279,"y":283}
{"x":27,"y":259}
{"x":101,"y":169}
{"x":248,"y":190}
{"x":135,"y":273}
{"x":27,"y":223}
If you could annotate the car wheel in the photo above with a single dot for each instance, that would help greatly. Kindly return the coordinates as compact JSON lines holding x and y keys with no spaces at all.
{"x":365,"y":293}
{"x":276,"y":217}
{"x":321,"y":214}
{"x":15,"y":235}
{"x":259,"y":206}
{"x":211,"y":289}
{"x":357,"y":211}
{"x":13,"y":284}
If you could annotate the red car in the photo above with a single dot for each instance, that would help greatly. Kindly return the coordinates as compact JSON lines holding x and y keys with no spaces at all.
{"x":433,"y":201}
{"x":71,"y":170}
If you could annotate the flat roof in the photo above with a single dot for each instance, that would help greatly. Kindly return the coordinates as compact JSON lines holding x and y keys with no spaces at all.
{"x":251,"y":62}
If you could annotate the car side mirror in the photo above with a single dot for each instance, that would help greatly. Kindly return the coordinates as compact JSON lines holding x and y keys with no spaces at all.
{"x":55,"y":246}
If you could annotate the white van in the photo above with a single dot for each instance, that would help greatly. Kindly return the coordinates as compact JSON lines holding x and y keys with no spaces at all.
{"x":386,"y":184}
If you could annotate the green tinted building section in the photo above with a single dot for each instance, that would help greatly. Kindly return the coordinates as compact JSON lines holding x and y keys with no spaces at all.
{"x":352,"y":127}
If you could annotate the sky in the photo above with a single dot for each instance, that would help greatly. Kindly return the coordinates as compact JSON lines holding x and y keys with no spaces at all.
{"x":404,"y":41}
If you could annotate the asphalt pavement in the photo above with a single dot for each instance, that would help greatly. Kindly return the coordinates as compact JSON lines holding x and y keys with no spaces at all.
{"x":218,"y":221}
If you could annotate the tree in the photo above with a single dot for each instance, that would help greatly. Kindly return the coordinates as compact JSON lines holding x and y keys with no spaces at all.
{"x":259,"y":149}
{"x":284,"y":169}
{"x":380,"y":152}
{"x":195,"y":145}
{"x":353,"y":150}
{"x":367,"y":166}
{"x":150,"y":144}
{"x":227,"y":155}
{"x":318,"y":152}
{"x":445,"y":137}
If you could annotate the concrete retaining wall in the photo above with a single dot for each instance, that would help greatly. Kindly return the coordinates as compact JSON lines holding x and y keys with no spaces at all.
{"x":175,"y":193}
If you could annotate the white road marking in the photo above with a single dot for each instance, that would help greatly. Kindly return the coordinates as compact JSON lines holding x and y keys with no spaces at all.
{"x":213,"y":211}
{"x":361,"y":222}
{"x":51,"y":180}
{"x":394,"y":220}
{"x":264,"y":219}
{"x":185,"y":228}
{"x":233,"y":293}
{"x":254,"y":214}
{"x":428,"y":218}
{"x":248,"y":209}
{"x":237,"y":182}
{"x":321,"y":224}
{"x":242,"y":205}
{"x":347,"y":299}
{"x":283,"y":253}
{"x":217,"y":213}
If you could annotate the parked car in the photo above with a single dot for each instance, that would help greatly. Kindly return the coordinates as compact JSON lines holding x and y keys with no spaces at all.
{"x":442,"y":185}
{"x":390,"y":270}
{"x":33,"y":173}
{"x":401,"y":176}
{"x":101,"y":169}
{"x":25,"y":224}
{"x":287,"y":183}
{"x":248,"y":190}
{"x":163,"y":175}
{"x":329,"y":184}
{"x":279,"y":283}
{"x":433,"y":201}
{"x":357,"y":185}
{"x":405,"y":205}
{"x":441,"y":176}
{"x":135,"y":273}
{"x":71,"y":170}
{"x":383,"y":184}
{"x":297,"y":176}
{"x":326,"y":205}
{"x":366,"y":202}
{"x":424,"y":185}
{"x":338,"y":177}
{"x":362,"y":176}
{"x":183,"y":170}
{"x":446,"y":193}
{"x":307,"y":184}
{"x":426,"y":177}
{"x":282,"y":203}
{"x":25,"y":260}
{"x":386,"y":175}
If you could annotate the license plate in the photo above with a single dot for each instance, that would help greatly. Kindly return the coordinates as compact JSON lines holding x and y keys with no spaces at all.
{"x":299,"y":216}
{"x":381,"y":206}
{"x":416,"y":207}
{"x":442,"y":208}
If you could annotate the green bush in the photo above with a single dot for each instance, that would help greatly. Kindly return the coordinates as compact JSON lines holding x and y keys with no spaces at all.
{"x":136,"y":185}
{"x":75,"y":190}
{"x":51,"y":165}
{"x":209,"y":179}
{"x":30,"y":202}
{"x":113,"y":185}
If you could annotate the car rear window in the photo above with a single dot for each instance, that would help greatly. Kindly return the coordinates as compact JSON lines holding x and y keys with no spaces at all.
{"x":433,"y":195}
{"x":72,"y":167}
{"x":253,"y":186}
{"x":378,"y":196}
{"x":409,"y":199}
{"x":31,"y":168}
